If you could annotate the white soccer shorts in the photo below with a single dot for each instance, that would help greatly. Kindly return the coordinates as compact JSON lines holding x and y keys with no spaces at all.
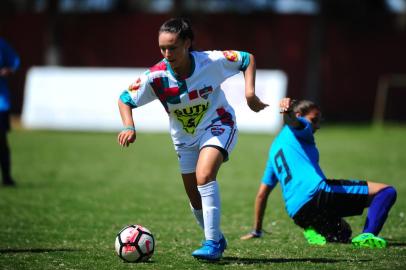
{"x":222,"y":137}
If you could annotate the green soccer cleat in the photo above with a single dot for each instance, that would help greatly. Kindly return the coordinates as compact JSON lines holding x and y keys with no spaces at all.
{"x":313,"y":237}
{"x":368,"y":240}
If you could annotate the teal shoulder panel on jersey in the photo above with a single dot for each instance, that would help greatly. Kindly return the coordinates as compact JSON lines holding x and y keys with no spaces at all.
{"x":126,"y":99}
{"x":245,"y":59}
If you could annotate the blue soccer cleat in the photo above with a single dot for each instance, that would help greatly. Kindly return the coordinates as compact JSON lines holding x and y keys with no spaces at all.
{"x":222,"y":242}
{"x":210,"y":250}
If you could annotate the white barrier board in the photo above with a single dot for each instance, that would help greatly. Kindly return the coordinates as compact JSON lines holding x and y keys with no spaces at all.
{"x":86,"y":99}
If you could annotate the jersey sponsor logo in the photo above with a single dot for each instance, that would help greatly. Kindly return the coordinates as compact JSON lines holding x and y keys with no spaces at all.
{"x":135,"y":85}
{"x":231,"y":55}
{"x":205,"y":92}
{"x":190,"y":117}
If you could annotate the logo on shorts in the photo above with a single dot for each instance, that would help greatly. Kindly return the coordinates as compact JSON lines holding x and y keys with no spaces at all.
{"x":231,"y":55}
{"x":217,"y":131}
{"x":190,"y":117}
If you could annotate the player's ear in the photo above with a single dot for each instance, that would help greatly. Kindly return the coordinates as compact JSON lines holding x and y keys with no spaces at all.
{"x":298,"y":114}
{"x":188,"y":44}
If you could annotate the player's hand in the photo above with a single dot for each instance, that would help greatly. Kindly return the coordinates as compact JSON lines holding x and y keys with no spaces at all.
{"x":251,"y":235}
{"x":256,"y":104}
{"x":126,"y":137}
{"x":285,"y":105}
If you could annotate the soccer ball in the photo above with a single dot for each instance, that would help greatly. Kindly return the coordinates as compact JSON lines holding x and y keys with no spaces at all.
{"x":135,"y":243}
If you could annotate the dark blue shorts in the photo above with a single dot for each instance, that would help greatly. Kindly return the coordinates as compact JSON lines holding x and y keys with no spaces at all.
{"x":4,"y":121}
{"x":336,"y":199}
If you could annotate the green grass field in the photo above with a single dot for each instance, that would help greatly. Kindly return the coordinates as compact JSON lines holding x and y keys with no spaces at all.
{"x":77,"y":190}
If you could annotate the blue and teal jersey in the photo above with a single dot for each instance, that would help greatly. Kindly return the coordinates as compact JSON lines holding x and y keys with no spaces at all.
{"x":8,"y":59}
{"x":294,"y":162}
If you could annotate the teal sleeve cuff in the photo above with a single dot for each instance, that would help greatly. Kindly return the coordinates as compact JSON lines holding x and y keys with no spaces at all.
{"x":126,"y":99}
{"x":245,"y":57}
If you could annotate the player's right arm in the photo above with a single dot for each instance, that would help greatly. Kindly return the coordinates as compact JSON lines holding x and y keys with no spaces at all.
{"x":289,"y":116}
{"x":128,"y":134}
{"x":138,"y":93}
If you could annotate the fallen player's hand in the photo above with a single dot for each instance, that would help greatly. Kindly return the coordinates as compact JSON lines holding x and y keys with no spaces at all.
{"x":286,"y":104}
{"x":251,"y":235}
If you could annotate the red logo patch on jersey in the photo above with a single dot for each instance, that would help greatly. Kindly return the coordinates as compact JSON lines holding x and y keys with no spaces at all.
{"x":135,"y":86}
{"x":231,"y":55}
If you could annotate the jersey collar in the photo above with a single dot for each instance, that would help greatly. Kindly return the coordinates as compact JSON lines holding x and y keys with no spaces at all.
{"x":192,"y":59}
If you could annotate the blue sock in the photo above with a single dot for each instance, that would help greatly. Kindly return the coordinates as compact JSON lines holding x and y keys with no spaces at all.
{"x":379,"y":209}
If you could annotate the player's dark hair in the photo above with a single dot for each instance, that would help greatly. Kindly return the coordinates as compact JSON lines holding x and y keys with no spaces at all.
{"x":180,"y":26}
{"x":303,"y":107}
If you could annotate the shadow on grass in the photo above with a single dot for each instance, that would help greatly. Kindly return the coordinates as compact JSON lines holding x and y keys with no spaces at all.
{"x":396,"y":244}
{"x":36,"y":250}
{"x":249,"y":261}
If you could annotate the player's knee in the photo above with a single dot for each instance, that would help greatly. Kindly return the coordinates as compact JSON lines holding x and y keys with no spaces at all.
{"x":391,"y":193}
{"x":204,"y":176}
{"x":204,"y":180}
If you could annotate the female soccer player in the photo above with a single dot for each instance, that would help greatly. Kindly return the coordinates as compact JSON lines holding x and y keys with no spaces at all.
{"x":316,"y":203}
{"x":202,"y":123}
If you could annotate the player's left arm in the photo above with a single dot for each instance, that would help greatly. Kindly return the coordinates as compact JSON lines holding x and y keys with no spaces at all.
{"x":289,"y":116}
{"x":253,"y":101}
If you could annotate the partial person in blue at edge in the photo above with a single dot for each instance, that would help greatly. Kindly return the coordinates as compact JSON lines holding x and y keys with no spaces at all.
{"x":9,"y":63}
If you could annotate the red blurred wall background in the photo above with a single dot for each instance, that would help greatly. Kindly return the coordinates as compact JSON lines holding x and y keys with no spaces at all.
{"x":342,"y":59}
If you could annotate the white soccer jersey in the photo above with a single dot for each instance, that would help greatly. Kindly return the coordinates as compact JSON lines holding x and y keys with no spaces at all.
{"x":195,"y":103}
